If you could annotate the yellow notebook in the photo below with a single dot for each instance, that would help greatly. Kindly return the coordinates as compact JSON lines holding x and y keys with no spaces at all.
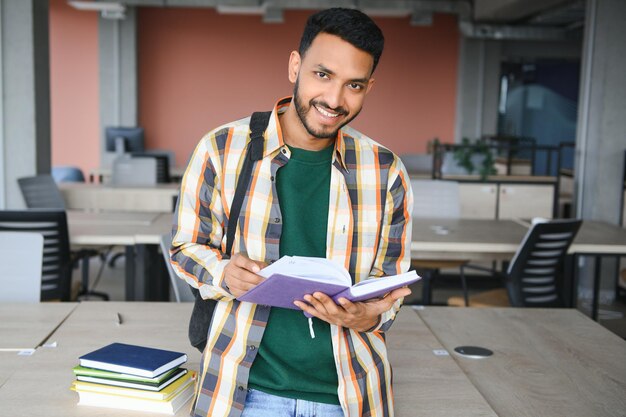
{"x":171,"y":406}
{"x":165,"y":394}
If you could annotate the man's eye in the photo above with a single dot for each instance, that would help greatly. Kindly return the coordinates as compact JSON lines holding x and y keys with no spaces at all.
{"x":355,"y":86}
{"x":321,"y":74}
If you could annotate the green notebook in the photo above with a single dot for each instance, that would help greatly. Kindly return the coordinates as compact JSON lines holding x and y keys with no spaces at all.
{"x":98,"y":373}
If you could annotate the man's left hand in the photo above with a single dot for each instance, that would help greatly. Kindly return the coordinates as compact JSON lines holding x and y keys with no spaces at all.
{"x":359,"y":316}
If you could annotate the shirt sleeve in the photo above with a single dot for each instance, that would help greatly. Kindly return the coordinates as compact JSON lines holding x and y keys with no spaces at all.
{"x":394,"y":250}
{"x":196,"y":253}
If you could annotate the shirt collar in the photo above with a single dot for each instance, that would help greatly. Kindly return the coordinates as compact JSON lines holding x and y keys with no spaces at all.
{"x":274,"y":135}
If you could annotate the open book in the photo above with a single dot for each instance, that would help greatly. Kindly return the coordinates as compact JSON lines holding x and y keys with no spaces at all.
{"x":292,"y":277}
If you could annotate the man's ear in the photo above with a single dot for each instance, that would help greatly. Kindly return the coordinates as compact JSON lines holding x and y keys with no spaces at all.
{"x":294,"y":66}
{"x":370,"y":84}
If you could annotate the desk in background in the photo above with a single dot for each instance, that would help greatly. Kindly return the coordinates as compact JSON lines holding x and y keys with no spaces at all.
{"x":478,"y":239}
{"x":140,"y":233}
{"x":85,"y":196}
{"x":103,"y":175}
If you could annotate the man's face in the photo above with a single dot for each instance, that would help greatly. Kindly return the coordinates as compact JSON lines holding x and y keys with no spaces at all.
{"x":331,"y":81}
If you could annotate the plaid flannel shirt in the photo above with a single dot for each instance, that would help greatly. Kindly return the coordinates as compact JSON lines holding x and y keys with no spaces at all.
{"x":368,"y":239}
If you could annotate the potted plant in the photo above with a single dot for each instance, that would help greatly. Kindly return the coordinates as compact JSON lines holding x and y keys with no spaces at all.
{"x":475,"y":157}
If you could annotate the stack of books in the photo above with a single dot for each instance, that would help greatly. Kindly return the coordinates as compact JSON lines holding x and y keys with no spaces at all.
{"x":134,"y":377}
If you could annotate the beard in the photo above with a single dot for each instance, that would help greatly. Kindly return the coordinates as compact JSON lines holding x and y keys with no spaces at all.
{"x":303,"y":110}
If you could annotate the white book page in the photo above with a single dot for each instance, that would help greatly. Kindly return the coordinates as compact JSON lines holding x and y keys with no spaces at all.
{"x":374,"y":284}
{"x":315,"y":269}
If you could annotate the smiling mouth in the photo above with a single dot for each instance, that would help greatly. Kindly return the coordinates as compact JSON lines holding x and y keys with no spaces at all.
{"x":326,"y":113}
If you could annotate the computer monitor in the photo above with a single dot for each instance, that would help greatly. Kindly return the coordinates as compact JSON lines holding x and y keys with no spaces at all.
{"x":124,"y":139}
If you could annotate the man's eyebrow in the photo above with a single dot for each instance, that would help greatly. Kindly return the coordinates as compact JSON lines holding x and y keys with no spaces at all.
{"x":322,"y":68}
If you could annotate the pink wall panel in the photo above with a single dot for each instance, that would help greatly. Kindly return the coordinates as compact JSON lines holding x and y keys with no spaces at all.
{"x":199,"y":69}
{"x":74,"y":86}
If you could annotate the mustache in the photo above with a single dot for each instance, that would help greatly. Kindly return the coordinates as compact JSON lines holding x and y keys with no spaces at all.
{"x":340,"y":110}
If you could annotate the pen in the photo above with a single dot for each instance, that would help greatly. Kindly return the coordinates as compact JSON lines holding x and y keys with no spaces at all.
{"x":119,"y":319}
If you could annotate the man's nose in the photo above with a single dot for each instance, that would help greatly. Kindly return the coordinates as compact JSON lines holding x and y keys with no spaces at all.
{"x":334,"y":96}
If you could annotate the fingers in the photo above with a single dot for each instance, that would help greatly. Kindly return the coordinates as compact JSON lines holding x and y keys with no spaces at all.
{"x":240,"y":274}
{"x":321,"y":306}
{"x":322,"y":303}
{"x":389,"y":300}
{"x":246,"y":263}
{"x":399,"y":293}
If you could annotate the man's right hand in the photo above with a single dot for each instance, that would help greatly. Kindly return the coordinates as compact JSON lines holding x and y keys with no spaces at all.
{"x":240,"y":274}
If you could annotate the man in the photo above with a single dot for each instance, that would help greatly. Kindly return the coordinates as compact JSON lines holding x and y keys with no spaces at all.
{"x":322,"y":189}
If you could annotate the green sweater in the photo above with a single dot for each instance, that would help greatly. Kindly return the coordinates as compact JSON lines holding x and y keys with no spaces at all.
{"x":290,"y":363}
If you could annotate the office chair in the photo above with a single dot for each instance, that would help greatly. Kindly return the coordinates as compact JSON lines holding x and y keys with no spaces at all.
{"x":21,"y":255}
{"x":535,"y":276}
{"x":42,"y":192}
{"x":436,"y":199}
{"x":56,"y":265}
{"x":67,"y":174}
{"x":182,"y":291}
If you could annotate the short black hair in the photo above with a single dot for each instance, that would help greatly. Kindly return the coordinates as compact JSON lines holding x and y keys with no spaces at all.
{"x":351,"y":25}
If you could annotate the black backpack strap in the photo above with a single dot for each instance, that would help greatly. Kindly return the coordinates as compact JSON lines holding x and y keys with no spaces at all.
{"x":254,"y":152}
{"x":203,"y":309}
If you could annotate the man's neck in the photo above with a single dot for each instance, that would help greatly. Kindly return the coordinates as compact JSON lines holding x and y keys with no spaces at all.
{"x":296,"y":135}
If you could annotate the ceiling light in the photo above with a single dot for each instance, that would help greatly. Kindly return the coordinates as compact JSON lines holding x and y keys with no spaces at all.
{"x":108,"y":10}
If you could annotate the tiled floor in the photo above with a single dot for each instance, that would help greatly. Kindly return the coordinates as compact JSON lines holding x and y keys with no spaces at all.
{"x":612,"y":316}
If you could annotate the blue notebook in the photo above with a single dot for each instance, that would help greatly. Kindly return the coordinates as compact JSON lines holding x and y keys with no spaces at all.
{"x":133,"y":360}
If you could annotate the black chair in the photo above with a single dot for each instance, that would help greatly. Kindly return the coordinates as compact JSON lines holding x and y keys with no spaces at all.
{"x":57,"y":263}
{"x":535,"y":277}
{"x":42,"y":192}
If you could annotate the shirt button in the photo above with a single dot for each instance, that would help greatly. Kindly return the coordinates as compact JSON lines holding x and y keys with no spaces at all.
{"x":252,"y":347}
{"x":284,"y":150}
{"x":272,"y":178}
{"x":240,"y":388}
{"x":277,"y":220}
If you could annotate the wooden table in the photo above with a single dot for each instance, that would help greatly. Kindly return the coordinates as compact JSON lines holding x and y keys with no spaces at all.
{"x":546,"y":362}
{"x":478,"y":239}
{"x":103,"y":175}
{"x":41,"y":386}
{"x":28,"y":325}
{"x":425,"y":385}
{"x":25,"y":327}
{"x":499,"y":239}
{"x":89,"y":196}
{"x":140,"y":233}
{"x":475,"y":239}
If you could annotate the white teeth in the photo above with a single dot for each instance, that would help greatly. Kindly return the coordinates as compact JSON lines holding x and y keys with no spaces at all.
{"x":325,"y":113}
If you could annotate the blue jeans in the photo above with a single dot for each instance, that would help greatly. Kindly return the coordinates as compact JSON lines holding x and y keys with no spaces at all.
{"x":261,"y":404}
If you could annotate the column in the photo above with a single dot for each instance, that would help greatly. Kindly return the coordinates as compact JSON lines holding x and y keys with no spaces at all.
{"x":601,"y":130}
{"x":24,"y":96}
{"x":118,"y":75}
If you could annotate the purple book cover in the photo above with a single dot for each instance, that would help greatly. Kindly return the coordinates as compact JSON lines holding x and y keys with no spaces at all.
{"x":282,"y":290}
